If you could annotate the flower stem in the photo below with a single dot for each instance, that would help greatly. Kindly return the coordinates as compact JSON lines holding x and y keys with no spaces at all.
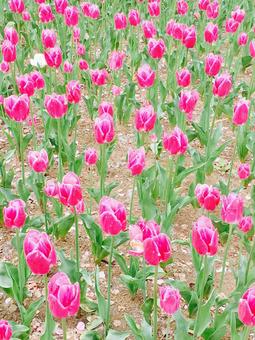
{"x":109,"y":285}
{"x":168,"y":327}
{"x":246,"y":333}
{"x":60,"y":169}
{"x":64,"y":329}
{"x":249,"y":261}
{"x":231,"y":166}
{"x":77,"y":248}
{"x":22,"y":153}
{"x":103,"y":169}
{"x":47,"y":312}
{"x":230,"y":232}
{"x":20,"y":266}
{"x":144,"y":278}
{"x":132,"y":200}
{"x":155,"y":310}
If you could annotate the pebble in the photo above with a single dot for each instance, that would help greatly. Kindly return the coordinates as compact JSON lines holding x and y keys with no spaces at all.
{"x":80,"y":326}
{"x":117,"y":323}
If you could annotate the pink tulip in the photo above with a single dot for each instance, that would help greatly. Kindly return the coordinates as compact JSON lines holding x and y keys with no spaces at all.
{"x":212,"y":10}
{"x":56,"y":105}
{"x":51,"y":189}
{"x":189,"y":37}
{"x":211,"y":33}
{"x":134,"y":17}
{"x":169,"y":27}
{"x":5,"y":330}
{"x":79,"y":208}
{"x":244,"y":171}
{"x":68,"y":67}
{"x":80,"y":49}
{"x":16,"y":6}
{"x":60,"y":6}
{"x":156,"y":48}
{"x":37,"y":80}
{"x":242,"y":39}
{"x":4,"y":67}
{"x":76,"y":34}
{"x":149,"y":29}
{"x":145,"y":76}
{"x":39,"y":252}
{"x":104,"y":129}
{"x":39,"y":1}
{"x":170,"y":299}
{"x":99,"y":77}
{"x":148,"y":228}
{"x":70,"y":192}
{"x":45,"y":13}
{"x":25,"y":85}
{"x":136,"y":161}
{"x":116,"y":60}
{"x":83,"y":65}
{"x":49,"y":38}
{"x":91,"y":156}
{"x":178,"y":30}
{"x":182,"y":7}
{"x":112,"y":216}
{"x":14,"y":214}
{"x":116,"y":90}
{"x":202,"y":4}
{"x":238,"y":14}
{"x":157,"y":249}
{"x":26,"y":16}
{"x":154,"y":8}
{"x":176,"y":142}
{"x":38,"y":160}
{"x":241,"y":112}
{"x":73,"y":92}
{"x":183,"y":77}
{"x":105,"y":107}
{"x":208,"y":197}
{"x":246,"y":312}
{"x":64,"y":297}
{"x":231,"y":25}
{"x":8,"y":51}
{"x":53,"y":57}
{"x":222,"y":85}
{"x":187,"y":102}
{"x":145,"y":118}
{"x":120,"y":21}
{"x":251,"y":48}
{"x":71,"y":15}
{"x":90,"y":10}
{"x":11,"y":34}
{"x":213,"y":64}
{"x":245,"y":224}
{"x":232,"y":208}
{"x":17,"y":107}
{"x":205,"y":237}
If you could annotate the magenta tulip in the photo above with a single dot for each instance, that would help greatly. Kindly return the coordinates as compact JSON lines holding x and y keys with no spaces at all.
{"x":116,"y":60}
{"x":105,"y":107}
{"x":104,"y":129}
{"x":49,"y":38}
{"x":25,"y":85}
{"x":11,"y":34}
{"x":232,"y":208}
{"x":149,"y":29}
{"x":69,"y":190}
{"x":120,"y":21}
{"x":156,"y":48}
{"x":73,"y":92}
{"x":136,"y":161}
{"x":145,"y":76}
{"x":91,"y":156}
{"x":99,"y":77}
{"x":208,"y":197}
{"x":45,"y":13}
{"x":213,"y":64}
{"x":56,"y":105}
{"x":176,"y":142}
{"x":71,"y":15}
{"x":188,"y":101}
{"x":211,"y":33}
{"x":183,"y":77}
{"x":53,"y":57}
{"x":222,"y":85}
{"x":241,"y":112}
{"x":134,"y":17}
{"x":17,"y":107}
{"x":245,"y":224}
{"x":170,"y":299}
{"x":14,"y":214}
{"x":5,"y":330}
{"x":157,"y":249}
{"x":246,"y":311}
{"x":244,"y":171}
{"x":8,"y":51}
{"x":145,"y":118}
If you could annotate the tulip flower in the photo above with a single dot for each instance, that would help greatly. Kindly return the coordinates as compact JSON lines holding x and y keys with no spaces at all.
{"x":222,"y":85}
{"x":183,"y":77}
{"x":213,"y":64}
{"x":202,"y":4}
{"x":17,"y":107}
{"x":241,"y":112}
{"x":70,"y":192}
{"x":145,"y":118}
{"x":238,"y":14}
{"x":16,"y":6}
{"x":212,"y":10}
{"x":154,"y":8}
{"x":242,"y":39}
{"x":116,"y":60}
{"x":45,"y":13}
{"x":134,"y":17}
{"x":176,"y":142}
{"x":38,"y":160}
{"x":49,"y":38}
{"x":149,"y":29}
{"x":244,"y":171}
{"x":105,"y":107}
{"x":4,"y":67}
{"x":170,"y":299}
{"x":211,"y":33}
{"x":251,"y":48}
{"x":231,"y":25}
{"x":99,"y":77}
{"x":245,"y":224}
{"x":145,"y":76}
{"x":5,"y":330}
{"x":8,"y":51}
{"x":232,"y":208}
{"x":182,"y":7}
{"x":91,"y":156}
{"x":246,"y":311}
{"x":11,"y":34}
{"x":90,"y":10}
{"x":26,"y":16}
{"x":56,"y":105}
{"x":189,"y":37}
{"x":136,"y":161}
{"x":38,"y":80}
{"x":120,"y":21}
{"x":53,"y":57}
{"x":68,"y":67}
{"x":71,"y":15}
{"x":116,"y":90}
{"x":60,"y":6}
{"x":208,"y":197}
{"x":188,"y":101}
{"x":25,"y":85}
{"x":14,"y":214}
{"x":104,"y":129}
{"x":156,"y":48}
{"x":51,"y":189}
{"x":73,"y":92}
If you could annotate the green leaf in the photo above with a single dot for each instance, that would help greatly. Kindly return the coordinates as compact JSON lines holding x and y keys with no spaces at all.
{"x":18,"y":330}
{"x":182,"y":326}
{"x":147,"y":308}
{"x":206,"y":314}
{"x":23,"y":192}
{"x":90,"y":335}
{"x":30,"y":312}
{"x":102,"y":305}
{"x":116,"y":335}
{"x":62,"y":225}
{"x":68,"y":266}
{"x":5,"y":280}
{"x":133,"y":327}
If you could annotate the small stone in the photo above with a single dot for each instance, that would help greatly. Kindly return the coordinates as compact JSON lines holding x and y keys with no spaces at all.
{"x":80,"y":326}
{"x":117,"y":323}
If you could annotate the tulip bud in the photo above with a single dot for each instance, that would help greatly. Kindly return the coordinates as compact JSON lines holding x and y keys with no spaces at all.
{"x":157,"y":249}
{"x":244,"y":171}
{"x":91,"y":156}
{"x":136,"y":161}
{"x":241,"y":112}
{"x":145,"y":118}
{"x":242,"y":39}
{"x":56,"y":105}
{"x":4,"y":67}
{"x":104,"y":129}
{"x":176,"y":142}
{"x":251,"y":48}
{"x":26,"y":16}
{"x":170,"y":299}
{"x":14,"y":214}
{"x":232,"y":208}
{"x":51,"y":189}
{"x":83,"y":65}
{"x":246,"y":311}
{"x":145,"y":76}
{"x":245,"y":224}
{"x":38,"y":160}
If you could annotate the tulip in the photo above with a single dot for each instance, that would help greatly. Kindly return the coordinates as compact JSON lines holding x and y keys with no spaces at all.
{"x":242,"y":39}
{"x":213,"y":64}
{"x":79,"y":208}
{"x":136,"y":161}
{"x":8,"y":51}
{"x":17,"y":107}
{"x":251,"y":48}
{"x":205,"y":237}
{"x":188,"y":101}
{"x":246,"y":311}
{"x":189,"y":37}
{"x":38,"y":60}
{"x":120,"y":21}
{"x":73,"y":92}
{"x":39,"y":252}
{"x":134,"y":17}
{"x":64,"y":297}
{"x":5,"y":330}
{"x":154,"y":8}
{"x":83,"y":65}
{"x":212,"y":10}
{"x":104,"y":129}
{"x":176,"y":142}
{"x":69,"y":190}
{"x":45,"y":13}
{"x":244,"y":171}
{"x":80,"y":49}
{"x":26,"y":16}
{"x":90,"y":10}
{"x":222,"y":85}
{"x":182,"y":7}
{"x":116,"y":90}
{"x":145,"y":76}
{"x":16,"y":6}
{"x":241,"y":112}
{"x":232,"y":208}
{"x":145,"y":118}
{"x":208,"y":197}
{"x":71,"y":15}
{"x":245,"y":224}
{"x":183,"y":77}
{"x":169,"y":27}
{"x":170,"y":299}
{"x":53,"y":57}
{"x":37,"y":80}
{"x":38,"y":160}
{"x":202,"y":4}
{"x":156,"y":48}
{"x":116,"y":60}
{"x":60,"y":6}
{"x":231,"y":25}
{"x":4,"y":67}
{"x":11,"y":34}
{"x":178,"y":30}
{"x":157,"y":249}
{"x":76,"y":34}
{"x":51,"y":189}
{"x":99,"y":77}
{"x":14,"y":214}
{"x":49,"y":38}
{"x":68,"y":67}
{"x":25,"y":85}
{"x":91,"y":156}
{"x":149,"y":29}
{"x":238,"y":14}
{"x":105,"y":107}
{"x":56,"y":105}
{"x":211,"y":33}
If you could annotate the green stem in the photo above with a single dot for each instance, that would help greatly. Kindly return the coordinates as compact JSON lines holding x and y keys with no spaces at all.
{"x":246,"y":333}
{"x":144,"y":278}
{"x":77,"y":248}
{"x":168,"y":327}
{"x":20,"y":266}
{"x":22,"y":153}
{"x":155,"y":309}
{"x":252,"y":81}
{"x":132,"y":200}
{"x":249,"y":260}
{"x":64,"y":329}
{"x":230,"y":232}
{"x":60,"y":168}
{"x":33,"y":130}
{"x":103,"y":169}
{"x":169,"y":184}
{"x":109,"y":285}
{"x":231,"y":166}
{"x":47,"y":311}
